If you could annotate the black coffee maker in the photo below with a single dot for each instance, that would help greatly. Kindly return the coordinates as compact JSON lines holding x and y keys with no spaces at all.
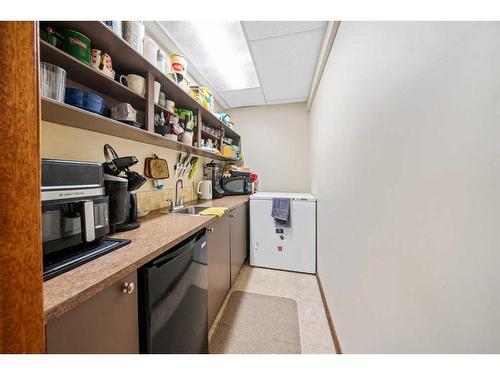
{"x":121,"y":190}
{"x":213,"y":171}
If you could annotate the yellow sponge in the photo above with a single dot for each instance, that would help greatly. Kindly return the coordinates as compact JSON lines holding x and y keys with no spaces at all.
{"x":217,"y":211}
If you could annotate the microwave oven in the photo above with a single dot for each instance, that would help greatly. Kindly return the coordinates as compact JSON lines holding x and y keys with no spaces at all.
{"x":236,"y":185}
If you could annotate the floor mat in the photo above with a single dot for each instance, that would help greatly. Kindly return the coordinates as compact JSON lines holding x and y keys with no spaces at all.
{"x":257,"y":324}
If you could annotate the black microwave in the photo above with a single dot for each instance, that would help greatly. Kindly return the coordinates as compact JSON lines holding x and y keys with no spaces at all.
{"x":236,"y":185}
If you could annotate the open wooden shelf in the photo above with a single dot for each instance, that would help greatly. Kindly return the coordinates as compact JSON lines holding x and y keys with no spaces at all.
{"x":230,"y":133}
{"x":61,"y":113}
{"x":206,"y":134}
{"x":88,"y":76}
{"x":162,"y":108}
{"x":126,"y":61}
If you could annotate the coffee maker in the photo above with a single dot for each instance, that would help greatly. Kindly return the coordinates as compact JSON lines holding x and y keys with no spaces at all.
{"x":75,"y":215}
{"x":121,"y":190}
{"x":213,"y":172}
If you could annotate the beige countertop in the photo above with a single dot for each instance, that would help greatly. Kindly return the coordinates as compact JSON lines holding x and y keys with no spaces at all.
{"x":158,"y":232}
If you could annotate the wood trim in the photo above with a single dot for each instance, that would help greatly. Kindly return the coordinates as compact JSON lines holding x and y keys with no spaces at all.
{"x":336,"y":342}
{"x":221,"y":140}
{"x":150,"y":106}
{"x":21,"y":301}
{"x":199,"y":125}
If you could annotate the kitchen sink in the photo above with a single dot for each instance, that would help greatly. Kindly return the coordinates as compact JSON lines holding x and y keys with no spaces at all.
{"x":192,"y":210}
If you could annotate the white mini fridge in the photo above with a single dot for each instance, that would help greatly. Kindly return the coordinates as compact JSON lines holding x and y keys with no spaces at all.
{"x":290,"y":249}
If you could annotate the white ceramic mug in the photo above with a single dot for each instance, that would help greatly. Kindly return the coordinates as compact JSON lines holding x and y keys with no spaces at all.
{"x":150,"y":50}
{"x":170,"y":106}
{"x":102,"y":61}
{"x":172,"y":137}
{"x":157,"y":88}
{"x":187,"y":138}
{"x":135,"y":83}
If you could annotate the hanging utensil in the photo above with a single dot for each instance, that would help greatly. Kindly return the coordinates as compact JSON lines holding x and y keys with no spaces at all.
{"x":188,"y":166}
{"x":193,"y":168}
{"x":183,"y":164}
{"x":177,"y":163}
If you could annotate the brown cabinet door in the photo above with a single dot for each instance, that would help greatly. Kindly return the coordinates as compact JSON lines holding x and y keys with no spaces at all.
{"x":219,"y":270}
{"x":106,"y":323}
{"x":239,"y":240}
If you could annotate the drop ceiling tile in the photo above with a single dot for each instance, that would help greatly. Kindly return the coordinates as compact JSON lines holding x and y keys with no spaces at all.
{"x":265,"y":29}
{"x":286,"y":64}
{"x":243,"y":98}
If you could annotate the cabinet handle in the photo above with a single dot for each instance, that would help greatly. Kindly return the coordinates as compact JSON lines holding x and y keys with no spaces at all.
{"x":231,"y":215}
{"x":210,"y":229}
{"x":128,"y":288}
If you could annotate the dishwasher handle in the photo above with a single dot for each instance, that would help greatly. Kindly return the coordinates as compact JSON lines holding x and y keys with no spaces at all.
{"x":175,"y":252}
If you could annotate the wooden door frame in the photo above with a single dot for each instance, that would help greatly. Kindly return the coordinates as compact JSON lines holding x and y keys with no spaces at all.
{"x":21,"y":295}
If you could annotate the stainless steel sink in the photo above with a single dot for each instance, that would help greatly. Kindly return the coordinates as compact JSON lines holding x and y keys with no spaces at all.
{"x":192,"y":210}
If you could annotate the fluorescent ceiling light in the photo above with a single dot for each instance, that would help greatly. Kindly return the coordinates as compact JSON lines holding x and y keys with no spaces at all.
{"x":218,"y":50}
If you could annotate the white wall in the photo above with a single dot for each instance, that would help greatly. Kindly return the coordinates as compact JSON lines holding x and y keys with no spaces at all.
{"x":408,"y":204}
{"x":275,"y":144}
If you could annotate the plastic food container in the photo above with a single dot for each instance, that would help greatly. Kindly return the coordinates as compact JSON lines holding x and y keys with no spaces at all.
{"x":207,"y":99}
{"x":133,"y":33}
{"x":77,"y":45}
{"x":116,"y":26}
{"x":53,"y":81}
{"x":84,"y":100}
{"x":179,"y":64}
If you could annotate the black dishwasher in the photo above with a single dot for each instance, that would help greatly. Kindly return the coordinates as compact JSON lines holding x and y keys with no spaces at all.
{"x":173,"y":300}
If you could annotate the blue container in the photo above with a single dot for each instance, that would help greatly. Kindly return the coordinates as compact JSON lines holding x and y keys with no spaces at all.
{"x":84,"y":100}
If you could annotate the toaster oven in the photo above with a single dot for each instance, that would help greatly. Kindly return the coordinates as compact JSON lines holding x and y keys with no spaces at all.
{"x":75,"y":215}
{"x":74,"y":205}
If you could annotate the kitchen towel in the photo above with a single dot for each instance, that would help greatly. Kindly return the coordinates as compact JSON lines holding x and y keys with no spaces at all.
{"x":281,"y":212}
{"x":217,"y":211}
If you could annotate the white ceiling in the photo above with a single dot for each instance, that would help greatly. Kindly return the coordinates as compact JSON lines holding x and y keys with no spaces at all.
{"x":284,"y":53}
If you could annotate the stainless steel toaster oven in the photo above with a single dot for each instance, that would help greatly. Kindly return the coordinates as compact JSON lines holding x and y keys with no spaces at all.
{"x":74,"y":204}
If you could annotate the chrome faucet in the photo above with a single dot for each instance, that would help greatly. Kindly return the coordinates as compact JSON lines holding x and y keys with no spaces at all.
{"x":178,"y":202}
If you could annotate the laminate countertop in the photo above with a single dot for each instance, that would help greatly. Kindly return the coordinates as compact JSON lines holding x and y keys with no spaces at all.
{"x":158,"y":233}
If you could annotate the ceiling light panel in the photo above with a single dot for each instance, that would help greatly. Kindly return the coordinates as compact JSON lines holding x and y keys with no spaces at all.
{"x":269,"y":29}
{"x":243,"y":98}
{"x":286,"y":64}
{"x":218,"y":50}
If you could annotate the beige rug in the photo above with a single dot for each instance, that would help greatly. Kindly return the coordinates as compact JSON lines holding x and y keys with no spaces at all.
{"x":257,"y":324}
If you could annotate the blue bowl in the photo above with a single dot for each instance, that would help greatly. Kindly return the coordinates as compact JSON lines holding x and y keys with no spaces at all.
{"x":80,"y":93}
{"x":84,"y":100}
